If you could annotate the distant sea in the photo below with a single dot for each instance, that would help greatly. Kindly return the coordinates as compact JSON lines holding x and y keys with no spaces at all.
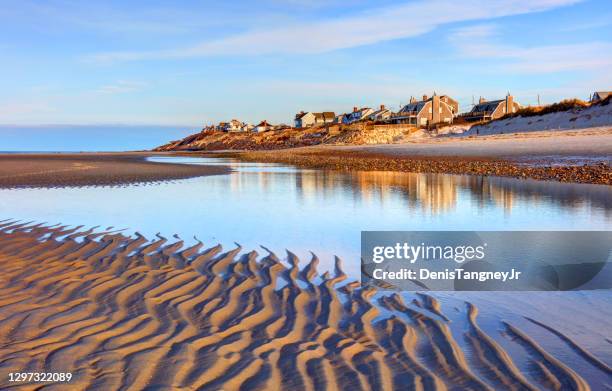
{"x":88,"y":138}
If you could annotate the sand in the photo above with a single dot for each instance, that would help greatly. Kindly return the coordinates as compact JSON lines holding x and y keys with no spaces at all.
{"x":123,"y":312}
{"x":571,"y":156}
{"x":598,"y":115}
{"x":87,"y":169}
{"x":593,"y":142}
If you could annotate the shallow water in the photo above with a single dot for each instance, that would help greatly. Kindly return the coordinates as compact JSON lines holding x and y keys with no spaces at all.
{"x":282,"y":207}
{"x":302,"y":210}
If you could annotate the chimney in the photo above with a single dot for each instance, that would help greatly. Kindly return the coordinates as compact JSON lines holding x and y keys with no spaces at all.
{"x":355,"y":109}
{"x":481,"y":100}
{"x":435,"y":109}
{"x":509,"y":103}
{"x":412,"y":99}
{"x":424,"y":97}
{"x":382,"y":107}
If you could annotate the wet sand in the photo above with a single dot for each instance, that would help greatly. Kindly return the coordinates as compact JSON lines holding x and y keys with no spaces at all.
{"x":87,"y":169}
{"x":123,"y":312}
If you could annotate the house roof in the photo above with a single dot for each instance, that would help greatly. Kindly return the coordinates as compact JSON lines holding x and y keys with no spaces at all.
{"x":603,"y":94}
{"x":416,"y":106}
{"x":325,"y":115}
{"x":487,"y":107}
{"x":380,"y":112}
{"x":301,"y":114}
{"x":264,"y":123}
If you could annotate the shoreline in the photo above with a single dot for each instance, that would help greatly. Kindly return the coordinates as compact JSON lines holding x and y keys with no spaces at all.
{"x":30,"y":170}
{"x":570,"y":157}
{"x":348,"y":161}
{"x":583,"y":156}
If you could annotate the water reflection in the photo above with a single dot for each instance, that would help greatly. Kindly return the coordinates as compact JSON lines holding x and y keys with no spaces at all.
{"x":323,"y":211}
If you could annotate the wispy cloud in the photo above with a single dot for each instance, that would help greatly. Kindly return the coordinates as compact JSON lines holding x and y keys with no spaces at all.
{"x":121,"y":87}
{"x":27,"y":108}
{"x":482,"y":42}
{"x":368,"y":27}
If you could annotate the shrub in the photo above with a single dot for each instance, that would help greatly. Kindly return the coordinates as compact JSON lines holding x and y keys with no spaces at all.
{"x":564,"y":105}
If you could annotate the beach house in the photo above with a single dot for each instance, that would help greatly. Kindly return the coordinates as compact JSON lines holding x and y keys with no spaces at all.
{"x":262,"y":126}
{"x":357,"y":114}
{"x":382,"y":114}
{"x":232,"y":126}
{"x":487,"y":110}
{"x":428,"y":112}
{"x":598,"y":96}
{"x":308,"y":119}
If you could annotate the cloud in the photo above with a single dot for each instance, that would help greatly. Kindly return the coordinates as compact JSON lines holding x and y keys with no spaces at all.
{"x":482,"y":42}
{"x":368,"y":27}
{"x":121,"y":87}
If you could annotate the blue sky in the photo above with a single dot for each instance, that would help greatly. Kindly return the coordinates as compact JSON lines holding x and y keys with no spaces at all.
{"x":190,"y":63}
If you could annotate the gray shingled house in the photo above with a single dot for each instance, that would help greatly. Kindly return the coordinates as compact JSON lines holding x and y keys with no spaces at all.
{"x":428,"y":111}
{"x":487,"y":110}
{"x":598,"y":96}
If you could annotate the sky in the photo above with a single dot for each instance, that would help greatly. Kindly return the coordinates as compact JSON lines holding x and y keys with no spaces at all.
{"x":186,"y":64}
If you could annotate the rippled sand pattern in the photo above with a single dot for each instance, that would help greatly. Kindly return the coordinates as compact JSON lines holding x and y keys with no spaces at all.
{"x":128,"y":313}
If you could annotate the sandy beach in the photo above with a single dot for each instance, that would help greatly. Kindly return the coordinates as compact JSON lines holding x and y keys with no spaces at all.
{"x":124,"y":312}
{"x":92,"y":169}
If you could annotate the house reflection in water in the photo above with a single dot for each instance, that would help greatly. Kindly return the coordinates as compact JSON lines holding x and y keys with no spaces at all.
{"x":433,"y":194}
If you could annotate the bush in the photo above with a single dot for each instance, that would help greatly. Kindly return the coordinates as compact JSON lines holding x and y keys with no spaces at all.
{"x":564,"y":105}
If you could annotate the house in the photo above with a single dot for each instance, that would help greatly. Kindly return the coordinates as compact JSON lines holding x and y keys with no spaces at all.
{"x":492,"y":109}
{"x":246,"y":127}
{"x":357,"y":114}
{"x":232,"y":126}
{"x":599,"y":96}
{"x":308,"y":119}
{"x":428,"y":112}
{"x":235,"y":126}
{"x":262,"y":126}
{"x":222,"y":127}
{"x":382,"y":114}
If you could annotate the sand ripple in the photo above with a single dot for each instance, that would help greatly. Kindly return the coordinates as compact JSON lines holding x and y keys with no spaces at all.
{"x":128,"y":313}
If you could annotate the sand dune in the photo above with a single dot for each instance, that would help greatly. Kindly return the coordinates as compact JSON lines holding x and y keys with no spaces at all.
{"x":124,"y":312}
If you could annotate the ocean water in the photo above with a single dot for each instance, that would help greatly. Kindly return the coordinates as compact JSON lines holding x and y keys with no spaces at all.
{"x":77,"y":138}
{"x":303,"y":210}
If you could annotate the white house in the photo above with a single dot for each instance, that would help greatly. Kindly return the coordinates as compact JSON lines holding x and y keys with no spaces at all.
{"x":357,"y":114}
{"x":382,"y":114}
{"x":234,"y":126}
{"x":308,"y":119}
{"x":262,"y":126}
